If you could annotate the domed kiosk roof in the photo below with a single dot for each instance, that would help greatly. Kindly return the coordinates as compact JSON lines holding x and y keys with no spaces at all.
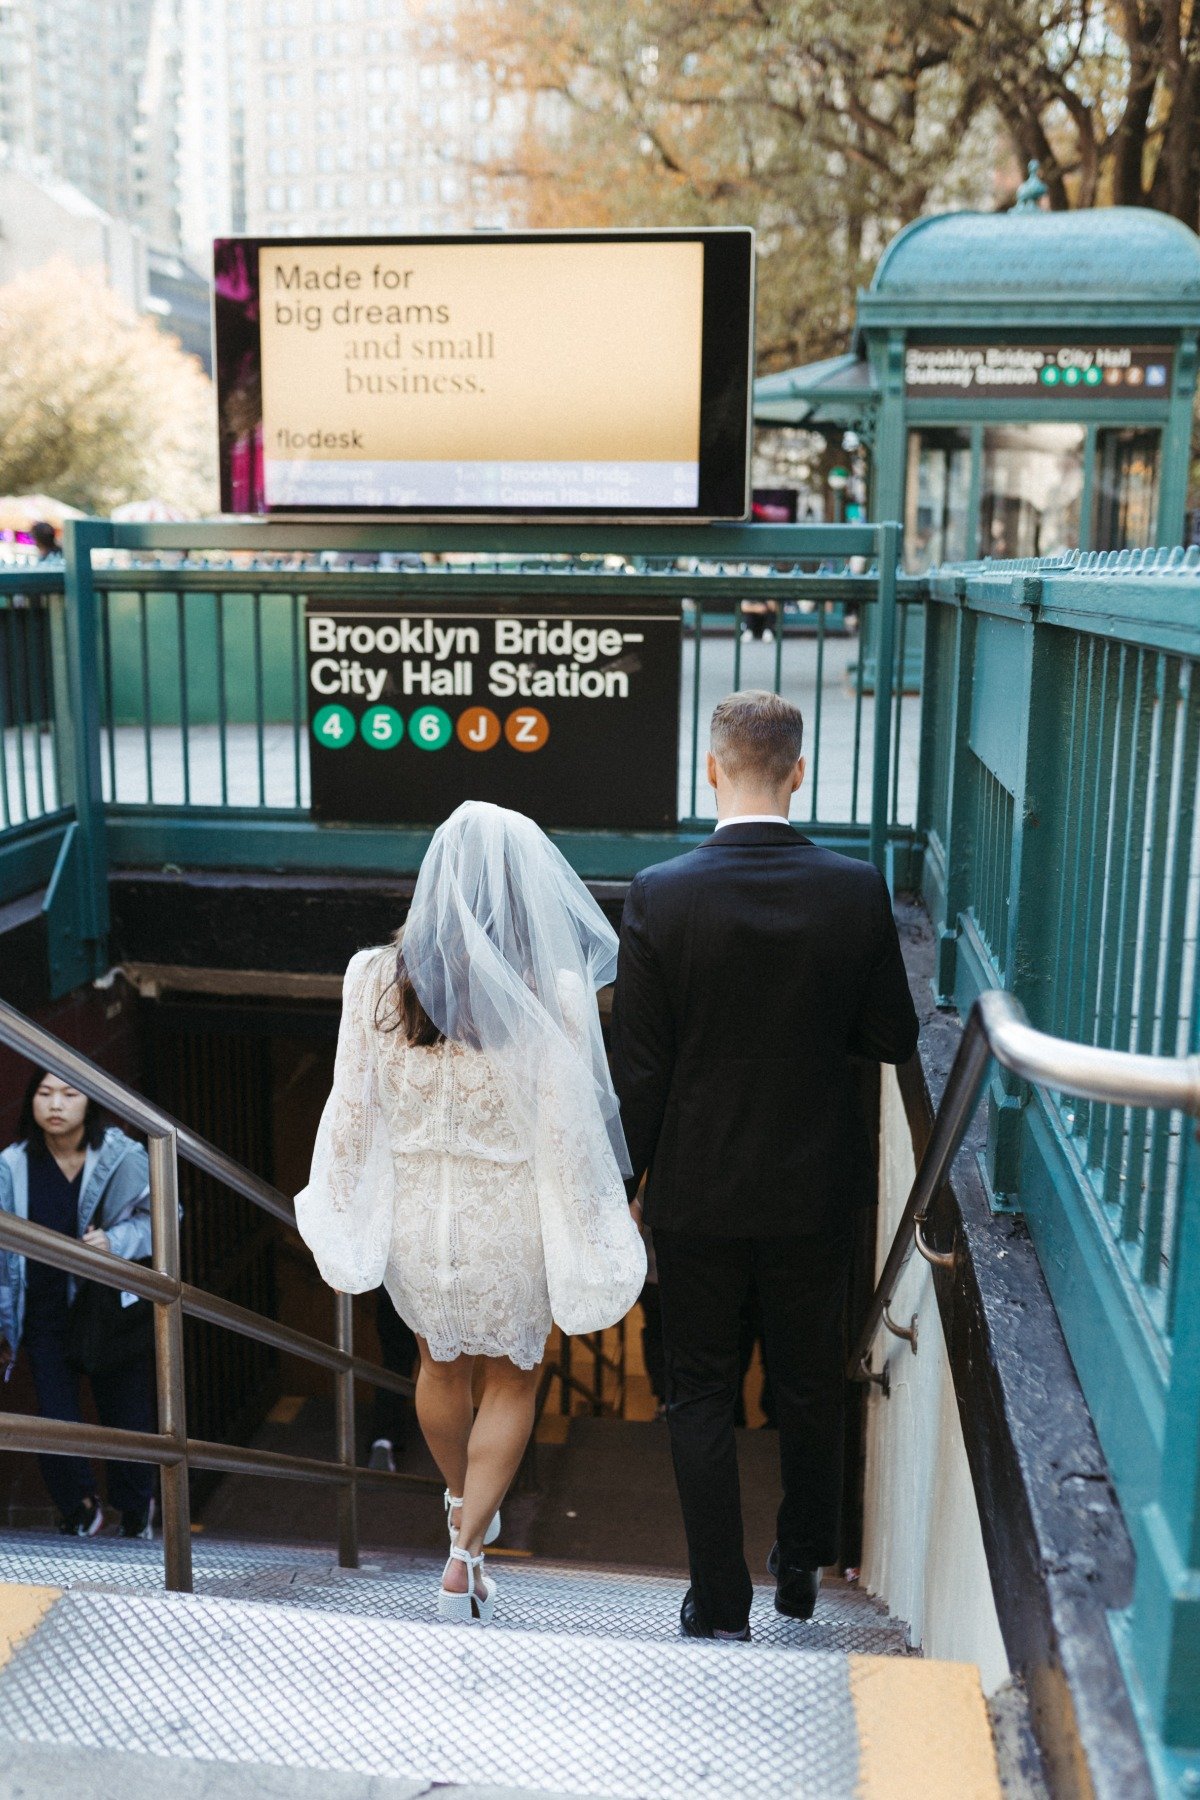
{"x":1100,"y":267}
{"x":1102,"y":252}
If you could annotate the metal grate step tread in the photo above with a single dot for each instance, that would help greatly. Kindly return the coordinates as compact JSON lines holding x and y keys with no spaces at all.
{"x":566,"y":1599}
{"x":236,"y":1681}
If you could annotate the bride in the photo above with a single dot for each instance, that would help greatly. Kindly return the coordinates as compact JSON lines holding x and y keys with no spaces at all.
{"x":470,"y":1155}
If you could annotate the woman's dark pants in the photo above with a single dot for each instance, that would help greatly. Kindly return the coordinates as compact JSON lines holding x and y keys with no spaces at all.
{"x":123,"y":1399}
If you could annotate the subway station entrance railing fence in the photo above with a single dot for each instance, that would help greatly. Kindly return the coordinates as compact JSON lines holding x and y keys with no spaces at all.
{"x":153,"y":707}
{"x":1040,"y":790}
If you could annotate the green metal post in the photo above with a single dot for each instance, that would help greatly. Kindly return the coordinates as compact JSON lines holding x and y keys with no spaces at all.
{"x":1176,"y":444}
{"x":1040,"y":803}
{"x":889,"y":547}
{"x":959,"y":824}
{"x":80,"y":538}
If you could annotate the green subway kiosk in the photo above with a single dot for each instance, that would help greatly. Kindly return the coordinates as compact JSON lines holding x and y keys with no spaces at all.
{"x":1023,"y":381}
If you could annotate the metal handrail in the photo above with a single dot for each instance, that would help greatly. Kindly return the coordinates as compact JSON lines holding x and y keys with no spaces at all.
{"x":172,"y":1297}
{"x":998,"y":1027}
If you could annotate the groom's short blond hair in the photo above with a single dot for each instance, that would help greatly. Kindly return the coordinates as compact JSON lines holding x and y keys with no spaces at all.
{"x":757,"y":736}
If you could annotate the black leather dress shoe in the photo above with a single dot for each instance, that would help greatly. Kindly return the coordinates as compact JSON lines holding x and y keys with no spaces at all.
{"x":796,"y":1588}
{"x":692,"y":1625}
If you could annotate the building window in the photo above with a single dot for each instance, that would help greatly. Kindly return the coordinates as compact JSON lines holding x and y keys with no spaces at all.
{"x":274,"y":199}
{"x":936,"y":498}
{"x":375,"y":81}
{"x":325,"y":196}
{"x":1125,"y":516}
{"x":376,"y":155}
{"x":395,"y":191}
{"x":375,"y":191}
{"x":345,"y":193}
{"x":1030,"y":489}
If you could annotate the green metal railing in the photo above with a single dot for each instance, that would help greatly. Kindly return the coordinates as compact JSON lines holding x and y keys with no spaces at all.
{"x":179,"y":727}
{"x":1060,"y":757}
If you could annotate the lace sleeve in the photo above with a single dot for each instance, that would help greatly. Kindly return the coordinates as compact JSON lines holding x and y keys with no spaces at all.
{"x":344,"y":1214}
{"x":595,"y":1259}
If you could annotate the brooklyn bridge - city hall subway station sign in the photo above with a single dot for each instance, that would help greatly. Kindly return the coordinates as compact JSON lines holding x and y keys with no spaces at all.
{"x":569,"y":714}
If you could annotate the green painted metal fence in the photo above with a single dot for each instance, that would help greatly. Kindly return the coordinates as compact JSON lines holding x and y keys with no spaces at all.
{"x":195,"y":743}
{"x":1060,"y":755}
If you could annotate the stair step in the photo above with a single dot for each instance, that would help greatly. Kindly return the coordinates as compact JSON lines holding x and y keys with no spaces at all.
{"x":295,"y":1686}
{"x":619,"y":1604}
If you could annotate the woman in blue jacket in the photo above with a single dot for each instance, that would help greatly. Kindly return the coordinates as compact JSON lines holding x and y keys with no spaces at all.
{"x":67,"y":1172}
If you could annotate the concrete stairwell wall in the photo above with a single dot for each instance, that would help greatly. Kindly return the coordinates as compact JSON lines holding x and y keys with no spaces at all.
{"x":923,"y":1549}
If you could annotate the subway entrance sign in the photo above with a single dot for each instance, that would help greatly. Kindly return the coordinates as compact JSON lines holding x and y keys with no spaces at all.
{"x":567,"y":713}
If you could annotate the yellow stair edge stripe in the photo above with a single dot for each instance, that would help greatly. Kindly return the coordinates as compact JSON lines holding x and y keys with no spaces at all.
{"x":923,"y":1730}
{"x":22,"y":1610}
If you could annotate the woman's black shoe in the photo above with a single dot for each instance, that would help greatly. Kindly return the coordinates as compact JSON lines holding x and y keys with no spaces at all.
{"x":691,"y":1625}
{"x":136,"y":1524}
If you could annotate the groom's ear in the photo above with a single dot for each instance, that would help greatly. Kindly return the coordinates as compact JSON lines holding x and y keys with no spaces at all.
{"x":798,"y":773}
{"x":710,"y":770}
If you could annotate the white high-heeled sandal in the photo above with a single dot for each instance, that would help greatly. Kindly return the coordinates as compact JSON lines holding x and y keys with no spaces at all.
{"x":450,"y":1502}
{"x":477,"y":1603}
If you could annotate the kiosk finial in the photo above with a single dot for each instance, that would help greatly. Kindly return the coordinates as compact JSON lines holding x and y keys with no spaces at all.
{"x":1032,"y":190}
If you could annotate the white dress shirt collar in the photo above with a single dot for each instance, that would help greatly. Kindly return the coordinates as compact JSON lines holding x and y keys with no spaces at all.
{"x":752,"y":819}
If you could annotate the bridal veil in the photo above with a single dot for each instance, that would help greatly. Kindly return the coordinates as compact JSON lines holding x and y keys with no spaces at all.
{"x":505,"y":947}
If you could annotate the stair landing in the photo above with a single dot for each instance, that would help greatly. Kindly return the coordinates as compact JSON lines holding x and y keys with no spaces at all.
{"x":279,"y":1661}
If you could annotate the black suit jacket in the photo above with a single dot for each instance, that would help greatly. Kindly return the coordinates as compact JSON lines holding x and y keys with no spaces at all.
{"x":750,"y":970}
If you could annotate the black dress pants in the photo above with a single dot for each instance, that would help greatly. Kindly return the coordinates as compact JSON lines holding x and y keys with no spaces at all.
{"x":703,"y":1284}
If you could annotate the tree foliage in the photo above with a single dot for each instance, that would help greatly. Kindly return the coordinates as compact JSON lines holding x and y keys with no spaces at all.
{"x":97,"y":406}
{"x":830,"y":126}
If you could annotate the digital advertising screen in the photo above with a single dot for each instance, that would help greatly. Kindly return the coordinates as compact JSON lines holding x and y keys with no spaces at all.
{"x":553,"y":374}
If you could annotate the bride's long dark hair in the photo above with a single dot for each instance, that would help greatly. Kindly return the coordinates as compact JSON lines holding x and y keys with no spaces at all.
{"x":407,"y":1013}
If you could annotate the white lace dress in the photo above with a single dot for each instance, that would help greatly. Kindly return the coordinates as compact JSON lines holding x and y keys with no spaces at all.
{"x":420,"y":1181}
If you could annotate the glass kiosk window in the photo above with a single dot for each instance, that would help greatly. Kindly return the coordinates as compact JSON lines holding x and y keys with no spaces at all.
{"x":1126,"y":478}
{"x":937,"y":495}
{"x":1030,"y":489}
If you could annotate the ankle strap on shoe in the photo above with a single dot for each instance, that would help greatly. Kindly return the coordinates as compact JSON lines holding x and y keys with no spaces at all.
{"x":450,"y":1501}
{"x":472,"y":1562}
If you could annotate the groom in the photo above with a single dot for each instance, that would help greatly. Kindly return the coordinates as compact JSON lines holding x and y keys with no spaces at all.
{"x":750,"y":970}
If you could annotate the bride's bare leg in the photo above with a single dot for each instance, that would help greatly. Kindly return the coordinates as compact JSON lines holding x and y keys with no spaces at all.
{"x":497,"y":1444}
{"x":445,"y":1413}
